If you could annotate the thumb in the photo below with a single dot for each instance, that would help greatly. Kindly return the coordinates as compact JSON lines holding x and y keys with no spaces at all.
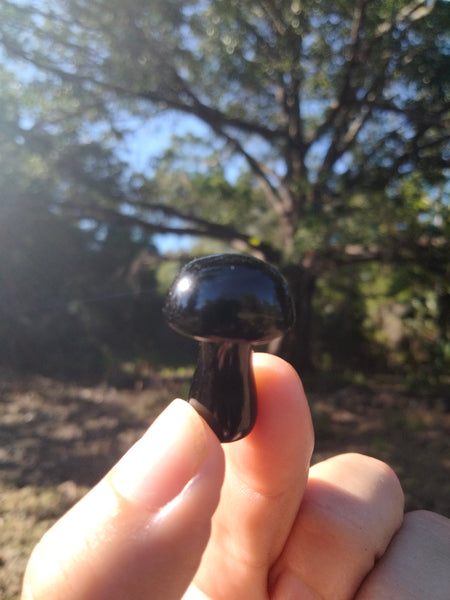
{"x":141,"y":531}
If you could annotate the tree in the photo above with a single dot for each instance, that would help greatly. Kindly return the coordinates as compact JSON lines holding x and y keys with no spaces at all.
{"x":60,"y":310}
{"x":326,"y":124}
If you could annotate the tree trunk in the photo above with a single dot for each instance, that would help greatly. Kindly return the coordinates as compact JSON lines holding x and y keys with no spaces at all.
{"x":296,"y":345}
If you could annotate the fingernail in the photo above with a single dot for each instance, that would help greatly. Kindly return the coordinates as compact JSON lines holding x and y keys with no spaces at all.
{"x":157,"y":468}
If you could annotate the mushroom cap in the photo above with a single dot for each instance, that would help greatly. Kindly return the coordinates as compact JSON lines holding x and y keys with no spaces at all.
{"x":229,"y":297}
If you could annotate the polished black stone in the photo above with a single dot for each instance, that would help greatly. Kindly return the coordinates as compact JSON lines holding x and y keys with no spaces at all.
{"x":223,"y":389}
{"x":228,"y":302}
{"x":229,"y":297}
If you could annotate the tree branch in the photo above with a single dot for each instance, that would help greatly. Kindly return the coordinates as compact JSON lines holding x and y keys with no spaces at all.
{"x":418,"y":9}
{"x":352,"y":62}
{"x":203,"y":228}
{"x":203,"y":225}
{"x":270,"y":8}
{"x":400,"y":250}
{"x":209,"y":115}
{"x":358,"y":54}
{"x":416,"y":115}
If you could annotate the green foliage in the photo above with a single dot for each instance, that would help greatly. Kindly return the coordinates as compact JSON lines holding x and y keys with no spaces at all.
{"x":346,"y":338}
{"x":60,"y":310}
{"x":316,"y":137}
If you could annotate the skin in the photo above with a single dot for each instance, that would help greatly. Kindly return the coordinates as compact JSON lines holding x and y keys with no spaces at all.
{"x":183,"y":516}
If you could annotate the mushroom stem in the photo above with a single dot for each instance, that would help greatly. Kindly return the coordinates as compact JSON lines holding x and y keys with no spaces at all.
{"x":223,"y":388}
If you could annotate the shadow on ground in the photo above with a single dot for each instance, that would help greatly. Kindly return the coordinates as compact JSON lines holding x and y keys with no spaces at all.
{"x":51,"y":433}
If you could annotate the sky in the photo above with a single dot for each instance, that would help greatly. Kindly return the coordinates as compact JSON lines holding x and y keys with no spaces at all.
{"x":148,"y":142}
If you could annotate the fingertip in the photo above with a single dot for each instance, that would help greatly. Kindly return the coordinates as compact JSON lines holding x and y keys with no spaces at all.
{"x":371,"y":480}
{"x":162,"y":462}
{"x":283,"y":409}
{"x":279,"y":447}
{"x":275,"y":366}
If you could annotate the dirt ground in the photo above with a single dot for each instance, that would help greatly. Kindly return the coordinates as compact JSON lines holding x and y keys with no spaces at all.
{"x":57,"y":440}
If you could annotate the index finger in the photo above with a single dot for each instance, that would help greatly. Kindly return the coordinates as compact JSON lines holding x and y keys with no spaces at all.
{"x":278,"y":449}
{"x":265,"y":477}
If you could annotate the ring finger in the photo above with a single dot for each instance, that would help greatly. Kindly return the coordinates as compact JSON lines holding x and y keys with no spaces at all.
{"x":352,"y":507}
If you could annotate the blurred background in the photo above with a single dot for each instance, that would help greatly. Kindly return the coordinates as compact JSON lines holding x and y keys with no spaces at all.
{"x":135,"y":136}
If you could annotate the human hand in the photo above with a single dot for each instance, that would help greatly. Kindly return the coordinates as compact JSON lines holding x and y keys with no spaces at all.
{"x":170,"y":520}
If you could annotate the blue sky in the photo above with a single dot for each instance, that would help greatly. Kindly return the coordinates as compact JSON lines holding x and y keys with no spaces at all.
{"x":149,"y":141}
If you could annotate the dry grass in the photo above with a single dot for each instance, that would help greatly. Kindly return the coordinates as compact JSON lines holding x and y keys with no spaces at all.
{"x":58,"y":440}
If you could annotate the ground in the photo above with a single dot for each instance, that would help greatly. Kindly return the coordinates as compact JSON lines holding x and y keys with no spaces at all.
{"x":57,"y":440}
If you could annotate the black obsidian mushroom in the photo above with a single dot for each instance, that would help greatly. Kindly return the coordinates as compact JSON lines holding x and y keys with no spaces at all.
{"x":228,"y":302}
